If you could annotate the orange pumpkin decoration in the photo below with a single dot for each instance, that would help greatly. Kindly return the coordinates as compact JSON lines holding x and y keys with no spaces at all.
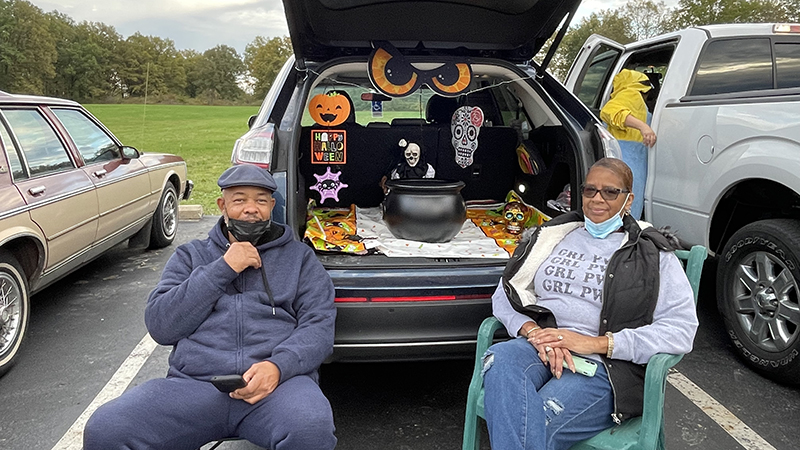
{"x":329,"y":109}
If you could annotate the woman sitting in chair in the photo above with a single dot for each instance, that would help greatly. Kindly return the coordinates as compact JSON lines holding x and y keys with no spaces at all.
{"x":600,"y":285}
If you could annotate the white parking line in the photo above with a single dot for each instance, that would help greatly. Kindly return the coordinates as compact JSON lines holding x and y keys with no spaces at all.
{"x":743,"y":434}
{"x":73,"y":438}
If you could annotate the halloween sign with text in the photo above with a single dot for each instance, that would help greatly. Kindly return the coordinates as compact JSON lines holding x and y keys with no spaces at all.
{"x":328,"y":147}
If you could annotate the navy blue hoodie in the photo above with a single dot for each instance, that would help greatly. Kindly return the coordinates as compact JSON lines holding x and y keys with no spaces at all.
{"x":220,"y":322}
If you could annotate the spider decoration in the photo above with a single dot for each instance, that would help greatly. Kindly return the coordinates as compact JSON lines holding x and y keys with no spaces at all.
{"x":328,"y":185}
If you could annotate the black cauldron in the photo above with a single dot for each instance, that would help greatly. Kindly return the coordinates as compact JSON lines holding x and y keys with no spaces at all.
{"x":424,"y":209}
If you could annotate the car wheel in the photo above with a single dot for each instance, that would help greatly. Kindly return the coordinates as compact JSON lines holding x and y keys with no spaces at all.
{"x":14,"y":309}
{"x":165,"y":219}
{"x":758,"y":292}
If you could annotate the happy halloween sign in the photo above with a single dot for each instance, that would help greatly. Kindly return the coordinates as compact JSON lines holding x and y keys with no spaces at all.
{"x":328,"y":147}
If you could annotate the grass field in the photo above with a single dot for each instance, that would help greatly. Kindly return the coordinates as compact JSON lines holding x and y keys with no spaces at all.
{"x":202,"y":135}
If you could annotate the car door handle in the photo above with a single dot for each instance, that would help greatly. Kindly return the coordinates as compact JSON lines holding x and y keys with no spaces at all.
{"x":38,"y":190}
{"x":100,"y":173}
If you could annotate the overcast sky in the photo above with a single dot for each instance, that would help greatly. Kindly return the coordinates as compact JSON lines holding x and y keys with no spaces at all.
{"x":202,"y":24}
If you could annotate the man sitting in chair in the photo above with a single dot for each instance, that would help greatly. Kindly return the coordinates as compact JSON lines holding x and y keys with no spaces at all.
{"x":249,"y":300}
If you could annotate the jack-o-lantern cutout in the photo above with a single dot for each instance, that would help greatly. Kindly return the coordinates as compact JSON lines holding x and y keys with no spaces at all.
{"x":329,"y":109}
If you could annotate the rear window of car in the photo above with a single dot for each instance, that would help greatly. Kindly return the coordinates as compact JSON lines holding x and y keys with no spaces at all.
{"x":787,"y":63}
{"x":734,"y":65}
{"x":43,"y":151}
{"x":366,"y":111}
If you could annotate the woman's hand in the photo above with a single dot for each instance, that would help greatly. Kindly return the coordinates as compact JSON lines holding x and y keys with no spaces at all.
{"x":555,"y":344}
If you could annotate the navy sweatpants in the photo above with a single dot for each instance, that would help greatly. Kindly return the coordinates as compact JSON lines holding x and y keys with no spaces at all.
{"x":178,"y":413}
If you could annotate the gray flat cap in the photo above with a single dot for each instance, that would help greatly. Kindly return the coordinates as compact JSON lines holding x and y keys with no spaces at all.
{"x":247,"y":175}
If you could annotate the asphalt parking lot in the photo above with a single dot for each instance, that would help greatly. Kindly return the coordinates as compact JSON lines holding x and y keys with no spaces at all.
{"x":86,"y":344}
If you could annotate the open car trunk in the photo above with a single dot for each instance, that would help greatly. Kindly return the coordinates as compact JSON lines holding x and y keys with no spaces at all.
{"x":523,"y":152}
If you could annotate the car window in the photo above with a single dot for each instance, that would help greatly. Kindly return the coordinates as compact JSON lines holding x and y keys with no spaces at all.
{"x":17,"y":172}
{"x":591,"y":86}
{"x":43,"y":151}
{"x":412,"y":106}
{"x":787,"y":61}
{"x":511,"y":111}
{"x":734,"y":65}
{"x":93,"y":143}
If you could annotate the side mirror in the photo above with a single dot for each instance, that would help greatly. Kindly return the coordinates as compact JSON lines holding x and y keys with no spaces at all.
{"x":129,"y":152}
{"x":251,"y":121}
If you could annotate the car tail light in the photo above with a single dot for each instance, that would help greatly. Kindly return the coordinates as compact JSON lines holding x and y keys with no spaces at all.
{"x":255,"y":147}
{"x":610,"y":145}
{"x":419,"y":298}
{"x":786,"y":28}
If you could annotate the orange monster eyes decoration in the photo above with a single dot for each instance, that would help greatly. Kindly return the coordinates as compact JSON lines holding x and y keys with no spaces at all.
{"x":394,"y":76}
{"x":329,"y":109}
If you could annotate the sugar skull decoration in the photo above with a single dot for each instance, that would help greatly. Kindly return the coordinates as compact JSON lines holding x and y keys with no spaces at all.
{"x":392,"y":74}
{"x":465,"y":127}
{"x":413,"y":164}
{"x":328,"y":185}
{"x":515,"y":214}
{"x":329,"y":109}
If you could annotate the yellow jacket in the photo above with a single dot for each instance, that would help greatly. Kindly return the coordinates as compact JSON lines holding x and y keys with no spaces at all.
{"x":626,"y":98}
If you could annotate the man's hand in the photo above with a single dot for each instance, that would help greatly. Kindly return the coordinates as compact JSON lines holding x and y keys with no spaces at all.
{"x":241,"y":255}
{"x":262,"y":378}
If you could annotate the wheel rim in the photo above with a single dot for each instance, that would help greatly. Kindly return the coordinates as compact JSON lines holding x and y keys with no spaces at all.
{"x":10,"y":311}
{"x":765,"y":295}
{"x":169,"y":214}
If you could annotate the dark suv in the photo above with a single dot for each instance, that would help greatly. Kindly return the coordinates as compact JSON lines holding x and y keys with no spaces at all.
{"x":401,"y":71}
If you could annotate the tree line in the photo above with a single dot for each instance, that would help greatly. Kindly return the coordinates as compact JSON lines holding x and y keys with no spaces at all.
{"x":48,"y":53}
{"x":641,"y":19}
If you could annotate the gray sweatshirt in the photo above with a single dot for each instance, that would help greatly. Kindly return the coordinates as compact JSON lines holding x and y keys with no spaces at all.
{"x":569,"y":282}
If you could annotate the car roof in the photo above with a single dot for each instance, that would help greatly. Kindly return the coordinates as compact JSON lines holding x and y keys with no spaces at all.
{"x":738,"y":29}
{"x":6,"y":98}
{"x":513,"y":30}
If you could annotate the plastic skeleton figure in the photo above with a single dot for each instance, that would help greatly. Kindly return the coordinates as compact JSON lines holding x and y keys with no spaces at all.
{"x":413,"y":166}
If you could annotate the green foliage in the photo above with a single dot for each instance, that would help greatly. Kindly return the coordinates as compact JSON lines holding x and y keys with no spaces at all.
{"x":264,"y":59}
{"x":609,"y":23}
{"x":87,"y":59}
{"x":705,"y":12}
{"x":27,"y":49}
{"x":637,"y":20}
{"x":218,"y":72}
{"x":150,"y":65}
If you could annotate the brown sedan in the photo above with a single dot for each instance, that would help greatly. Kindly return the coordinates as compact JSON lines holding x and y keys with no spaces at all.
{"x":69,"y":190}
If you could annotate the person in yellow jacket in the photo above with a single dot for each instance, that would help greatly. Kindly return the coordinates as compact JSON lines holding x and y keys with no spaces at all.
{"x":626,"y":117}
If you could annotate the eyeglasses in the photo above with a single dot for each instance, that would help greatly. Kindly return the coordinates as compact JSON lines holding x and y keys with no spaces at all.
{"x":608,"y":193}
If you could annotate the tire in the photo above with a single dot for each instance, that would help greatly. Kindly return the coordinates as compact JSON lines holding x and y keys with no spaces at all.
{"x":165,"y":219}
{"x":758,"y":288}
{"x":14,"y":310}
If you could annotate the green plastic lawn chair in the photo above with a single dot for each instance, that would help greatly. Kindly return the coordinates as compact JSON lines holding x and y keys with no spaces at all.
{"x":639,"y":433}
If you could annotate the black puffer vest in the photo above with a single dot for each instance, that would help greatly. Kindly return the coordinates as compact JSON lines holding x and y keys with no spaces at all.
{"x":630,"y":292}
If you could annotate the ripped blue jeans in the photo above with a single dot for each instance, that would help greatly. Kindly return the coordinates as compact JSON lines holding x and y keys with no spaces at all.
{"x":528,"y":408}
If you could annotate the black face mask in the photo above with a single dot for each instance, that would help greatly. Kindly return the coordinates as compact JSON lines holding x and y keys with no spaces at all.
{"x":248,"y":231}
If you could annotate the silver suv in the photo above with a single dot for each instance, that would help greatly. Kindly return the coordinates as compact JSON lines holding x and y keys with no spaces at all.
{"x":397,"y":71}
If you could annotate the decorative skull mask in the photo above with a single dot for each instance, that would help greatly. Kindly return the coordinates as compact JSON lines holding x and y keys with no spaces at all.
{"x":465,"y":126}
{"x":515,"y":215}
{"x":412,"y":154}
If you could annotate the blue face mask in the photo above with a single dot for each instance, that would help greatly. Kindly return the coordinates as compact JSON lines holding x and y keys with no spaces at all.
{"x":603,"y":229}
